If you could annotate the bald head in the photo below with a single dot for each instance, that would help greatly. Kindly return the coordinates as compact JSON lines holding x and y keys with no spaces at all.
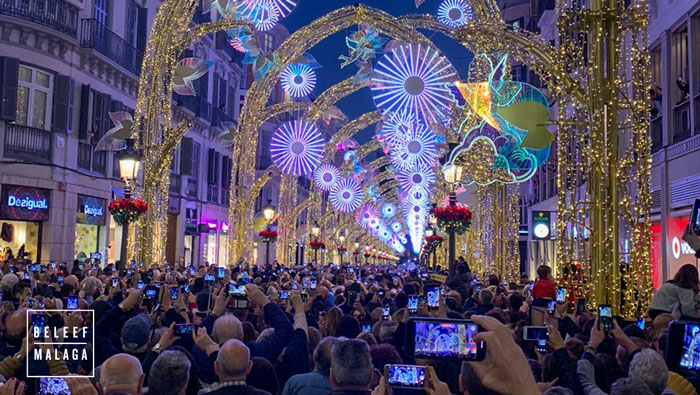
{"x":323,"y":292}
{"x":233,"y":361}
{"x":227,"y":327}
{"x":121,"y":373}
{"x":72,"y":280}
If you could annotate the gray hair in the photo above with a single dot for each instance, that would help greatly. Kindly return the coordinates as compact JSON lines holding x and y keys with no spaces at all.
{"x":649,"y":368}
{"x":629,"y":386}
{"x":351,"y":363}
{"x":485,"y":297}
{"x":322,"y":354}
{"x":8,"y":282}
{"x":226,"y":327}
{"x":558,"y":391}
{"x":169,"y":374}
{"x":90,"y":286}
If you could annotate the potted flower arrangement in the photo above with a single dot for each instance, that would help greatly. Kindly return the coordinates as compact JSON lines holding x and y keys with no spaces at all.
{"x":126,"y":211}
{"x":268,"y":235}
{"x":342,"y":250}
{"x":317,"y":244}
{"x":453,"y":218}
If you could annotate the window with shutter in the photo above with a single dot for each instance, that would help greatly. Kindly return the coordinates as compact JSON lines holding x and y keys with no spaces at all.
{"x":211,"y":166}
{"x":84,"y":112}
{"x":217,"y":159}
{"x":215,"y":95}
{"x":34,"y":97}
{"x":186,"y":156}
{"x":61,"y":98}
{"x":9,"y":74}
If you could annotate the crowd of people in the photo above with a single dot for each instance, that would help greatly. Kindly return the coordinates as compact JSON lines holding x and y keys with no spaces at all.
{"x":311,"y":330}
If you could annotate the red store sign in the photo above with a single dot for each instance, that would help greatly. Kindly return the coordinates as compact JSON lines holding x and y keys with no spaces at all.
{"x":678,"y":252}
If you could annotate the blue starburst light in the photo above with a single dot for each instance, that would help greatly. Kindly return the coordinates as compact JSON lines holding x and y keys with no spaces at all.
{"x":346,"y":195}
{"x":297,"y":147}
{"x":396,"y":226}
{"x":416,"y":147}
{"x":326,"y":176}
{"x":388,"y":210}
{"x":366,"y":214}
{"x":455,"y":13}
{"x":264,"y":14}
{"x":414,"y":78}
{"x":298,"y":80}
{"x":396,"y":125}
{"x":417,"y":179}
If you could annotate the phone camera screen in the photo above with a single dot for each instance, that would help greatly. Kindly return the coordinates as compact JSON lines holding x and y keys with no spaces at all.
{"x":406,"y":376}
{"x":72,"y":302}
{"x":446,"y":340}
{"x":561,"y":295}
{"x":433,"y":294}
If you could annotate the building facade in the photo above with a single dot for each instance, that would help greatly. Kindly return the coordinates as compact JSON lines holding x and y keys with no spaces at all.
{"x":66,"y":64}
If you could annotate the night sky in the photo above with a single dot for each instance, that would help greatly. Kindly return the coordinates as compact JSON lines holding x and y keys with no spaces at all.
{"x":328,"y":51}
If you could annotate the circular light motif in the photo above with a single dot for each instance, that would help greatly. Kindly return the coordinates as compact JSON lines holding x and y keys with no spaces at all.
{"x":366,"y":214}
{"x":414,"y":148}
{"x":346,"y":195}
{"x":455,"y":13}
{"x":417,"y":179}
{"x":298,"y":80}
{"x":396,"y":226}
{"x":385,"y":235}
{"x":263,"y":13}
{"x":413,"y":78}
{"x":397,"y":125}
{"x":541,"y":231}
{"x":326,"y":176}
{"x":388,"y":210}
{"x":284,"y":7}
{"x":297,"y":147}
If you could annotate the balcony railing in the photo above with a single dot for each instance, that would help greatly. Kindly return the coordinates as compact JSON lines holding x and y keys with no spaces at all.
{"x":191,"y":187}
{"x":656,"y":129}
{"x":681,"y":121}
{"x":56,"y":14}
{"x":98,"y":36}
{"x":197,"y":104}
{"x":222,"y":43}
{"x":90,"y":160}
{"x":219,"y":116}
{"x":27,"y":143}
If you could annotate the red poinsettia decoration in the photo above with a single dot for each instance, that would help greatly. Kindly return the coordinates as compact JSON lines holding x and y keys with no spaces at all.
{"x":126,"y":211}
{"x":268,"y":236}
{"x":356,"y":252}
{"x":434,"y":239}
{"x":367,"y":254}
{"x":342,"y":250}
{"x":453,"y":218}
{"x":316,"y":244}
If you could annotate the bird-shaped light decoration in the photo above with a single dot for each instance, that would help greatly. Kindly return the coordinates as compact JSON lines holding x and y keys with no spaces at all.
{"x":114,"y":138}
{"x":187,"y":71}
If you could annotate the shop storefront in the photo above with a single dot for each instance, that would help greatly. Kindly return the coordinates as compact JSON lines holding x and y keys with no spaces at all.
{"x":90,"y":232}
{"x":210,"y":241}
{"x":191,"y":232}
{"x":22,"y":213}
{"x":678,"y":252}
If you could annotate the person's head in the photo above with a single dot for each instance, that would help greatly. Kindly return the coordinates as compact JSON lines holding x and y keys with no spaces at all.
{"x":7,"y":282}
{"x":648,"y":367}
{"x":16,"y":327}
{"x":383,"y":354}
{"x":629,"y":386}
{"x":263,"y":376}
{"x":135,"y":333}
{"x":485,"y":297}
{"x":351,"y":365}
{"x":687,"y":277}
{"x":661,"y":322}
{"x":461,"y":269}
{"x":169,"y":374}
{"x":524,"y":278}
{"x":91,"y":286}
{"x":623,"y":356}
{"x":227,"y":327}
{"x":22,"y":290}
{"x":470,"y":383}
{"x":544,"y":272}
{"x":233,"y":361}
{"x":121,"y":373}
{"x":348,"y":326}
{"x":322,"y":355}
{"x":515,"y":301}
{"x":367,"y":338}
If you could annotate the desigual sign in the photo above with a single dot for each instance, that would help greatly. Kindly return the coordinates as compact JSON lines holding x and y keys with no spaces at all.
{"x":24,"y":203}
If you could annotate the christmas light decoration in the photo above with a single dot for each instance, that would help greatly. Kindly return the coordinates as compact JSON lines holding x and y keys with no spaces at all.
{"x":396,"y":125}
{"x":396,"y":226}
{"x":417,"y":179}
{"x":455,"y":13}
{"x":263,"y":13}
{"x":297,"y":147}
{"x":366,"y":214}
{"x":413,"y":78}
{"x":346,"y":195}
{"x":416,"y":147}
{"x":388,"y":210}
{"x":298,"y":80}
{"x":326,"y":176}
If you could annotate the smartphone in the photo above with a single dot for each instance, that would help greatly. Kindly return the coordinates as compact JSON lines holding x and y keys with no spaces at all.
{"x":185,"y":288}
{"x":405,"y":376}
{"x":38,"y":325}
{"x":438,"y":338}
{"x":366,"y":326}
{"x":209,"y":277}
{"x":30,"y":303}
{"x":561,"y":295}
{"x":433,"y":295}
{"x":129,"y":272}
{"x":72,"y":302}
{"x":133,"y":264}
{"x":26,"y":275}
{"x":580,"y":305}
{"x":184,"y":330}
{"x":238,"y":303}
{"x":478,"y":289}
{"x":381,"y":293}
{"x":139,"y":284}
{"x":221,"y":272}
{"x":295,"y":287}
{"x":605,"y":316}
{"x":60,"y":280}
{"x":173,"y":293}
{"x":351,"y":270}
{"x":537,"y":334}
{"x":284,"y":295}
{"x":53,"y":386}
{"x":192,"y":271}
{"x":695,"y":217}
{"x":385,"y":312}
{"x":42,"y":269}
{"x":550,"y":307}
{"x":683,"y":346}
{"x":412,"y":304}
{"x":236,"y":290}
{"x":313,"y":283}
{"x":640,"y":323}
{"x":53,"y":265}
{"x":115,"y":282}
{"x":352,"y":297}
{"x":33,"y":268}
{"x":150,"y":292}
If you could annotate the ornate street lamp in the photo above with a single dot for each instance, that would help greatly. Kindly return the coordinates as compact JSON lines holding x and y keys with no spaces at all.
{"x":316,"y":231}
{"x":129,"y":163}
{"x":268,"y":214}
{"x":453,"y":176}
